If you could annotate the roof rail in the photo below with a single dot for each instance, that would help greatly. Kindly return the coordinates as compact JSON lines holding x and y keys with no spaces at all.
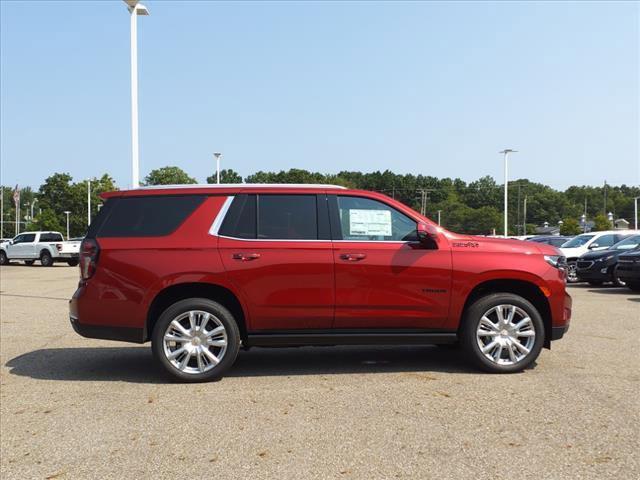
{"x":243,"y":185}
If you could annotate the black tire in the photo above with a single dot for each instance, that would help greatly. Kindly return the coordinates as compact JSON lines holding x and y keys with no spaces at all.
{"x":595,"y":283}
{"x":46,"y":260}
{"x":73,"y":263}
{"x":572,"y":272}
{"x":29,"y":262}
{"x":471,"y":320}
{"x":3,"y":258}
{"x":221,"y":314}
{"x":616,"y":280}
{"x":634,"y":286}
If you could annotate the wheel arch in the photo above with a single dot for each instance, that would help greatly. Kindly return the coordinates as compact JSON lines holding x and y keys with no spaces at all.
{"x":181,"y":291}
{"x":526,"y":289}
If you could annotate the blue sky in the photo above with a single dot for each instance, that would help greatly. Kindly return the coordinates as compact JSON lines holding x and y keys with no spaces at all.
{"x":431,"y":88}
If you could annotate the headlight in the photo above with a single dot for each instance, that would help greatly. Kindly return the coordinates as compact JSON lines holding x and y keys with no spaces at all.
{"x":557,"y":261}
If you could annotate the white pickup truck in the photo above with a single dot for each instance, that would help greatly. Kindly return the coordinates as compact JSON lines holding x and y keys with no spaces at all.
{"x":47,"y":247}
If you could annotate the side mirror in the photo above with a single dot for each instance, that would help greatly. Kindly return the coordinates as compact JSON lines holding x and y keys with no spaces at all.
{"x":593,"y":246}
{"x":426,"y":232}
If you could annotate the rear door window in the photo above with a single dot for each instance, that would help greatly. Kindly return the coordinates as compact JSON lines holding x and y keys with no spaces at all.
{"x":50,"y":237}
{"x":149,"y":216}
{"x":287,"y":217}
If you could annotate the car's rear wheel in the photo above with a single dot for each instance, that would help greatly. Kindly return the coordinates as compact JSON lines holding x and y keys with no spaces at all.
{"x":616,"y":279}
{"x":572,"y":272}
{"x":196,"y":340}
{"x":46,"y":260}
{"x":502,"y":333}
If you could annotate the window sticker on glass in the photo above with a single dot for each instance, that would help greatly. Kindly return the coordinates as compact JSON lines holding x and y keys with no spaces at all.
{"x":370,"y":222}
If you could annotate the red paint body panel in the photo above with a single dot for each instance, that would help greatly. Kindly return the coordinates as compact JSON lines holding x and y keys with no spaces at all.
{"x":291,"y":285}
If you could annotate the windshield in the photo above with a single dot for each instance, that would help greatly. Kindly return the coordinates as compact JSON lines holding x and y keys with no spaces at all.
{"x":578,"y":241}
{"x":628,"y":243}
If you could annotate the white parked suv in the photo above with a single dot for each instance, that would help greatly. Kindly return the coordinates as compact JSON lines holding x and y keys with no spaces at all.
{"x":589,"y":242}
{"x":48,"y":247}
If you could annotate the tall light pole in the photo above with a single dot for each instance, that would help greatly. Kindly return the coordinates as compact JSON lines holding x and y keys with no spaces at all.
{"x":67,"y":212}
{"x":506,"y":153}
{"x":88,"y":203}
{"x":217,"y":155}
{"x":635,"y":211}
{"x":33,"y":205}
{"x":135,"y":9}
{"x":439,"y":216}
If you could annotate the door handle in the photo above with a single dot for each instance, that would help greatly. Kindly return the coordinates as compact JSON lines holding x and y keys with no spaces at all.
{"x":245,"y":257}
{"x":353,"y":257}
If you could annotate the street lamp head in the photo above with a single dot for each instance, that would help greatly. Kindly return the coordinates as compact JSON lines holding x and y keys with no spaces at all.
{"x":217,"y":155}
{"x":137,"y":6}
{"x":508,"y":150}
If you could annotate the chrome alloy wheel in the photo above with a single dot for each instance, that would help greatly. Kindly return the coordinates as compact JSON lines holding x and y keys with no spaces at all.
{"x":195,"y":342}
{"x":505,"y":334}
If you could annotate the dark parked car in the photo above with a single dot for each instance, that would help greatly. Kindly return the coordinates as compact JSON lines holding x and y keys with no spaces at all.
{"x":553,"y":240}
{"x":602,"y":266}
{"x":629,"y":269}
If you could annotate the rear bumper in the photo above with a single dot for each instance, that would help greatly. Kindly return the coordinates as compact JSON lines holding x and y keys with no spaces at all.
{"x":103,"y":332}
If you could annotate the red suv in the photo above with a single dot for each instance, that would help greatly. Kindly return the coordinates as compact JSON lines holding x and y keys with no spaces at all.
{"x":201,"y":271}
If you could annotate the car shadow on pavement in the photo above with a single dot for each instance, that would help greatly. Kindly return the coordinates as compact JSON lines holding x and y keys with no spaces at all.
{"x":136,"y":364}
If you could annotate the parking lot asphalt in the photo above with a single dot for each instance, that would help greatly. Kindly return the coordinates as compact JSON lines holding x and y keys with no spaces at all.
{"x":71,"y":407}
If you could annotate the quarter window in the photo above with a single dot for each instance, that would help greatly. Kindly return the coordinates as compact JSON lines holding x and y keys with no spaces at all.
{"x":365,"y":219}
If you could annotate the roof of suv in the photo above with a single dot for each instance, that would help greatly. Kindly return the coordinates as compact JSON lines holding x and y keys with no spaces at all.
{"x":219,"y":188}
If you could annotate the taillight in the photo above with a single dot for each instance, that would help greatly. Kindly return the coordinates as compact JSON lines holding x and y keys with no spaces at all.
{"x":89,"y":250}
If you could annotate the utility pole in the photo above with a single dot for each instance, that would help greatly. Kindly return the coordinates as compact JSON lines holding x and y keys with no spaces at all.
{"x":635,"y":211}
{"x":1,"y":211}
{"x":439,"y":216}
{"x":605,"y":197}
{"x":424,"y":194}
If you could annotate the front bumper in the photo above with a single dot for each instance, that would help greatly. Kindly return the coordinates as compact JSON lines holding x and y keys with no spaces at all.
{"x":558,"y":332}
{"x":629,"y":270}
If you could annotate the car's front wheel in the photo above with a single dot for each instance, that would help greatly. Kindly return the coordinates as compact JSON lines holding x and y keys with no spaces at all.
{"x":502,"y":333}
{"x":196,"y":340}
{"x":4,"y":260}
{"x":572,"y":272}
{"x":616,"y":279}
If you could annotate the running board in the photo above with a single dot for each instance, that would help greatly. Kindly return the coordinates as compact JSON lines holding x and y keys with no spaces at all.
{"x":338,"y":337}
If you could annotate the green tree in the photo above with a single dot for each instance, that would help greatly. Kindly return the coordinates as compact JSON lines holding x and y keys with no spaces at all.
{"x":601,"y":223}
{"x":226,"y":176}
{"x":570,"y":226}
{"x":168,"y":176}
